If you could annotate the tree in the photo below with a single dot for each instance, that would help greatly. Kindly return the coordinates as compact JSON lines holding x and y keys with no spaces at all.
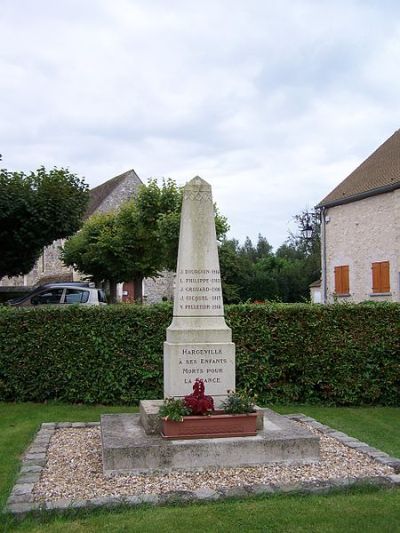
{"x":307,"y":250}
{"x":234,"y":267}
{"x":93,"y":250}
{"x":298,"y":241}
{"x":263,"y":247}
{"x":138,"y":241}
{"x":240,"y":281}
{"x":254,"y":272}
{"x":147,"y":231}
{"x":35,"y":210}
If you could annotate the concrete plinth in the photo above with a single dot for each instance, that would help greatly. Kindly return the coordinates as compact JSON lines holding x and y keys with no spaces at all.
{"x":128,"y":449}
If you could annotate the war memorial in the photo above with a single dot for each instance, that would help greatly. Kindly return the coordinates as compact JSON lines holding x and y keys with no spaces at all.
{"x":72,"y":465}
{"x":198,"y":345}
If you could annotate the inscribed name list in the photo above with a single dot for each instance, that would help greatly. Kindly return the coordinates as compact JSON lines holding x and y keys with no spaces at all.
{"x":199,"y":290}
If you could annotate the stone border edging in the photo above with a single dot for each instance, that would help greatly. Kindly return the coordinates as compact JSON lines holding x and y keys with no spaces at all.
{"x":379,"y":456}
{"x":20,"y":501}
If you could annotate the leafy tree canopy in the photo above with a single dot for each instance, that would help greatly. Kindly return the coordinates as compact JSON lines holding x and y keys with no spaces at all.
{"x":35,"y":210}
{"x":140,"y":240}
{"x":254,"y":273}
{"x":93,"y":249}
{"x":238,"y":267}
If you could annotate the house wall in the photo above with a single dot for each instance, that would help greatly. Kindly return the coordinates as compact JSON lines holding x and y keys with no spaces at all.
{"x":359,"y":234}
{"x":48,"y":267}
{"x":15,"y":281}
{"x":158,"y":288}
{"x":315,"y":295}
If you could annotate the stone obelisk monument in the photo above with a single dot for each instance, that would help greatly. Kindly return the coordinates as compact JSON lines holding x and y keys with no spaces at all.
{"x":199,"y":343}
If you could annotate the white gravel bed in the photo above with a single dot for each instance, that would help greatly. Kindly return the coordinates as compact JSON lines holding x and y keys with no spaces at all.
{"x":74,"y":470}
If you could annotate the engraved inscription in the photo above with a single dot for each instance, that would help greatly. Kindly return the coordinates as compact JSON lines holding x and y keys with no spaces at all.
{"x":207,"y":363}
{"x":200,"y":289}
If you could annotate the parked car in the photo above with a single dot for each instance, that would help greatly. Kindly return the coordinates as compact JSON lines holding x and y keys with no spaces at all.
{"x":61,"y":293}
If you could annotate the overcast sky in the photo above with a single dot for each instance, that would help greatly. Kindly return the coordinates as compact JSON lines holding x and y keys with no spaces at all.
{"x":272,"y":102}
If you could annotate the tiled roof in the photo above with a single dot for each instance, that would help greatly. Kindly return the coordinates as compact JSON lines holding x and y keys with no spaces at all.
{"x":380,"y":172}
{"x":100,"y":193}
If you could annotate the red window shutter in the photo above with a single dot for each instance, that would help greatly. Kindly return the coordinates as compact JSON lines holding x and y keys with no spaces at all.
{"x":381,"y":276}
{"x":385,"y":277}
{"x":345,"y":279}
{"x":342,"y":285}
{"x":376,"y":277}
{"x":338,"y":280}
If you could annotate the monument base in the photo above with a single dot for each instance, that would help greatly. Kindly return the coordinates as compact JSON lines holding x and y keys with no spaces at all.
{"x":128,"y":449}
{"x":152,"y":425}
{"x":213,"y":362}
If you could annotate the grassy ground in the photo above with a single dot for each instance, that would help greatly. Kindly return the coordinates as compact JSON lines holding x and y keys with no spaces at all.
{"x":378,"y":426}
{"x":366,"y":510}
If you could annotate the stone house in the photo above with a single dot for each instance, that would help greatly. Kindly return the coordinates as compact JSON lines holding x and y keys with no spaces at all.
{"x":360,"y":231}
{"x":106,"y":197}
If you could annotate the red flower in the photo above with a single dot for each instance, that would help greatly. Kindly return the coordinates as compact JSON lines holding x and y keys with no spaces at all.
{"x":198,"y":402}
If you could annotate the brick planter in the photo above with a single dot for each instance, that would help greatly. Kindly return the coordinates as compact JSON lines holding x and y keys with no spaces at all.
{"x":217,"y":425}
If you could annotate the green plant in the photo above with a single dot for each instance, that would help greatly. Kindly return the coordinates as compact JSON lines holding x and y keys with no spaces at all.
{"x":174,"y":409}
{"x":35,"y":210}
{"x":237,"y":403}
{"x":198,"y":402}
{"x":285,"y":353}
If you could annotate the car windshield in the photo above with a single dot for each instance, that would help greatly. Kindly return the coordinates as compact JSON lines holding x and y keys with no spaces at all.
{"x":49,"y":296}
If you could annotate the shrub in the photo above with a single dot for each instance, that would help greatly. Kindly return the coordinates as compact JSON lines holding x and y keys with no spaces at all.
{"x":336,"y":355}
{"x":174,"y":409}
{"x":110,"y":354}
{"x":238,"y":403}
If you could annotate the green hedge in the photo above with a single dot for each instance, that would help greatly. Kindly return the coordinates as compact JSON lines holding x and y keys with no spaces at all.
{"x":338,"y":355}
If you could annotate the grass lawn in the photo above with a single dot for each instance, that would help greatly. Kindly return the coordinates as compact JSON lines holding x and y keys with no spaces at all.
{"x":363,"y":509}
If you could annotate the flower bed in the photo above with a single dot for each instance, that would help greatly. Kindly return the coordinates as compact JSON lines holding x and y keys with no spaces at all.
{"x":194,"y":416}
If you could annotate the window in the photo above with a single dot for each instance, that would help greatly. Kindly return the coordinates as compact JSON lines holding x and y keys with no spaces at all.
{"x":380,"y":277}
{"x":76,"y":296}
{"x":342,"y":285}
{"x":51,"y":296}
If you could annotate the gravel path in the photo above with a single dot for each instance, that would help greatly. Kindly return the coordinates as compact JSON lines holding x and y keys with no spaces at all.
{"x":74,"y":470}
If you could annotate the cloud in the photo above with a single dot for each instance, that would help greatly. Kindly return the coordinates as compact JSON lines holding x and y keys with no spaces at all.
{"x":272,"y":103}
